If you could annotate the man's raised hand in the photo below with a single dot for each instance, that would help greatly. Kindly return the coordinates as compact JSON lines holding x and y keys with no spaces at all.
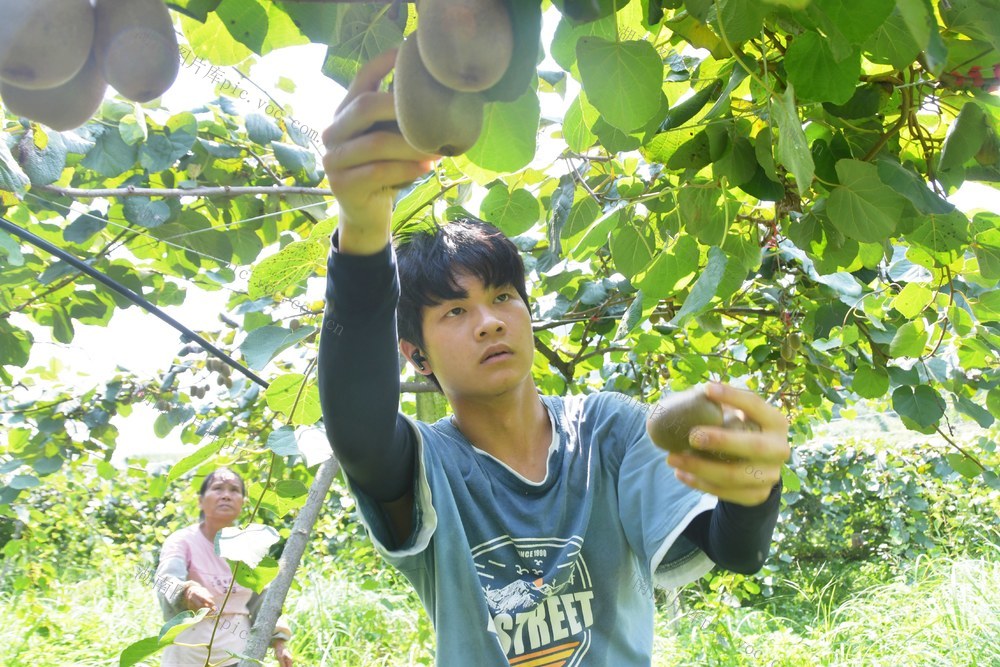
{"x":365,"y":162}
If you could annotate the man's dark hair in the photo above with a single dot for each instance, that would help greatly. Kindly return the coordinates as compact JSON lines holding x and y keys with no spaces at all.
{"x":207,"y":482}
{"x":430,"y":259}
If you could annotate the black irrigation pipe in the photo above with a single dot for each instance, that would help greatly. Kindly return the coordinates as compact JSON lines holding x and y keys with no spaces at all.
{"x":137,"y":299}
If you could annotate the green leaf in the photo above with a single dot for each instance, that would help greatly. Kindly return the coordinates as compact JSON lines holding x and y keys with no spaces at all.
{"x":12,"y":177}
{"x":288,"y":393}
{"x":918,"y":17}
{"x":567,"y":34}
{"x":246,"y":21}
{"x":704,"y":288}
{"x":945,"y":237}
{"x":295,"y":159}
{"x":670,"y":271}
{"x":192,"y":461}
{"x":508,"y":139}
{"x":513,"y":213}
{"x":793,"y":148}
{"x":15,"y":345}
{"x":622,"y":80}
{"x":246,"y":545}
{"x":920,"y":405}
{"x":963,"y":465}
{"x":84,"y":227}
{"x":145,"y":212}
{"x":261,"y":129}
{"x":987,"y":250}
{"x":703,"y":216}
{"x":870,"y":382}
{"x":12,"y":249}
{"x":738,"y":163}
{"x":856,"y":21}
{"x":861,"y":207}
{"x":912,"y":300}
{"x":43,"y":165}
{"x":741,"y":20}
{"x":816,"y":74}
{"x":910,"y":340}
{"x":259,"y":577}
{"x":282,"y":442}
{"x":632,"y":317}
{"x":911,"y":185}
{"x":110,"y":155}
{"x":196,"y":9}
{"x":965,"y":138}
{"x":142,"y":649}
{"x":296,"y":262}
{"x":364,"y":30}
{"x":596,"y":234}
{"x":163,"y":148}
{"x":632,"y":251}
{"x":133,"y":130}
{"x":892,"y":42}
{"x":265,"y":343}
{"x":580,"y":117}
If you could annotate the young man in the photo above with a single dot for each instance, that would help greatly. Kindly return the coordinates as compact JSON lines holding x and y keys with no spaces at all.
{"x":531,"y":526}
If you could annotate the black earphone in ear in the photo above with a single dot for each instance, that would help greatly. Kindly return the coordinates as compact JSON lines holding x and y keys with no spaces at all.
{"x":418,"y":359}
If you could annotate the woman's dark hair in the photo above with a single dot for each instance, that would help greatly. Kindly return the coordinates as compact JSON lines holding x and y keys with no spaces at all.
{"x":430,"y":259}
{"x":207,"y":482}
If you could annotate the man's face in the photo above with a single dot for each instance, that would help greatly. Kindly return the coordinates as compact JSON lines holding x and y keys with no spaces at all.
{"x":459,"y":333}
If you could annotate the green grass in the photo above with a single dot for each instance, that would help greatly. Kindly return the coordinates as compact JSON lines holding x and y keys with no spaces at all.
{"x":933,"y":612}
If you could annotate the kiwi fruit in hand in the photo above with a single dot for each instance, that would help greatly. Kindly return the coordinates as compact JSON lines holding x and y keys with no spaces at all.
{"x":671,"y":420}
{"x":466,"y":45}
{"x":432,"y":117}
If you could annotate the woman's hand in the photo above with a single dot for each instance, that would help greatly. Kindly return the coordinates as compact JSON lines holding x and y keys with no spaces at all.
{"x":752,"y":460}
{"x":197,"y":597}
{"x":365,"y":162}
{"x":282,"y":653}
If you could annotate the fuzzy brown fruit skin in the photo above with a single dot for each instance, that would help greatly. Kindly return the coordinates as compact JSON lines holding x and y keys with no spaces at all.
{"x":433,"y":118}
{"x":136,"y":47}
{"x":44,"y":43}
{"x":466,"y":45}
{"x":62,"y":108}
{"x":669,"y":424}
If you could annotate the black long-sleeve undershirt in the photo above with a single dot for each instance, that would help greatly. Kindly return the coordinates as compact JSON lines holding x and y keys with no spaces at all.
{"x":359,"y":393}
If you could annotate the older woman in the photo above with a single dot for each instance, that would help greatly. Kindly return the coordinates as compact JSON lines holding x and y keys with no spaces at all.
{"x":196,"y":577}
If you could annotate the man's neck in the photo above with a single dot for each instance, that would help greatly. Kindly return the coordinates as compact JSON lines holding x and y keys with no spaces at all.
{"x":514,"y":428}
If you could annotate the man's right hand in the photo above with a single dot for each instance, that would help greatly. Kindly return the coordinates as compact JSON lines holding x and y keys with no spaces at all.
{"x":365,"y":166}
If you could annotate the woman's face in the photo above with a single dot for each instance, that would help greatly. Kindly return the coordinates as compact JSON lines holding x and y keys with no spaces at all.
{"x":223,"y":497}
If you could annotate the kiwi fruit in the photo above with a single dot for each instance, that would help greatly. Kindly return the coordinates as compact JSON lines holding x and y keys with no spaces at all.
{"x":136,"y":47}
{"x":466,"y":45}
{"x":669,"y":424}
{"x":44,"y":43}
{"x":433,"y":118}
{"x":64,"y":107}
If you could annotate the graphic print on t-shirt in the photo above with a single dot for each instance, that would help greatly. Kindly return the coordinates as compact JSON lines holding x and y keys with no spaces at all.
{"x":539,"y":594}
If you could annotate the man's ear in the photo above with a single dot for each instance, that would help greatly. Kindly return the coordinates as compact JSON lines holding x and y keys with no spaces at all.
{"x":410,"y":351}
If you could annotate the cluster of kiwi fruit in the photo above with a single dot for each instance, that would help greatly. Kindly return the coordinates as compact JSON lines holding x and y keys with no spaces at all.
{"x":671,"y":420}
{"x":460,"y":49}
{"x":57,"y":57}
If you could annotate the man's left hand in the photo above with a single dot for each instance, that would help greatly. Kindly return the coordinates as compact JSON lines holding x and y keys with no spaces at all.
{"x":751,"y":461}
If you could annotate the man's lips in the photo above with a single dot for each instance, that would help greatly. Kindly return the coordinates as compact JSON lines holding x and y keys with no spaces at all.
{"x":496,"y":353}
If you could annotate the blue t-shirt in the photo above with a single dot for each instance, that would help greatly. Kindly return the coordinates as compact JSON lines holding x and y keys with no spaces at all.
{"x":552,"y":573}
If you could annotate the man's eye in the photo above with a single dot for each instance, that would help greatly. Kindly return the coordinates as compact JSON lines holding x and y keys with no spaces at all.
{"x":505,"y":296}
{"x":455,"y":311}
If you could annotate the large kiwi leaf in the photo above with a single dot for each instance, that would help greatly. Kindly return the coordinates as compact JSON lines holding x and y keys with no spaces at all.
{"x":526,"y":20}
